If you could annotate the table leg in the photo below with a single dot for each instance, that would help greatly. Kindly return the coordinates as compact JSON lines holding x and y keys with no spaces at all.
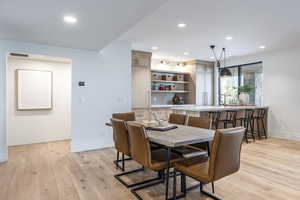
{"x":208,"y":149}
{"x":168,"y":172}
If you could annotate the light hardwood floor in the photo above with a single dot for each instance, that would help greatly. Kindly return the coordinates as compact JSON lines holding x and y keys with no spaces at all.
{"x":270,"y":169}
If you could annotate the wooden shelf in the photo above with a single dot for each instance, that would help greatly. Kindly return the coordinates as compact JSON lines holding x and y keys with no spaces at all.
{"x":164,"y":81}
{"x":170,"y":91}
{"x":170,"y":72}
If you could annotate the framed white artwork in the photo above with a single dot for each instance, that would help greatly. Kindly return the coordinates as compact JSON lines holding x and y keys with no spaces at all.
{"x":34,"y":89}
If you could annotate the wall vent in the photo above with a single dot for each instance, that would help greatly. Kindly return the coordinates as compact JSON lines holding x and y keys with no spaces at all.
{"x":19,"y":55}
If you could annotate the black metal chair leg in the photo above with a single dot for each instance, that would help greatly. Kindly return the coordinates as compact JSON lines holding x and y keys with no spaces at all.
{"x":208,"y":149}
{"x":152,"y":183}
{"x":210,"y":195}
{"x":213,"y":187}
{"x":123,"y":162}
{"x":118,"y":177}
{"x":174,"y":184}
{"x":183,"y":183}
{"x":118,"y":154}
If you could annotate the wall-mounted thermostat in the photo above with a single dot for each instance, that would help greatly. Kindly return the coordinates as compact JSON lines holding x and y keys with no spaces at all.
{"x":81,"y":83}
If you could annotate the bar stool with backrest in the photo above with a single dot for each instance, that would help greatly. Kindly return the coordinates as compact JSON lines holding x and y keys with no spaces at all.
{"x":258,"y":118}
{"x":175,"y":118}
{"x":228,"y":117}
{"x":248,"y":124}
{"x":224,"y":161}
{"x":130,"y":116}
{"x":215,"y":117}
{"x":141,"y":152}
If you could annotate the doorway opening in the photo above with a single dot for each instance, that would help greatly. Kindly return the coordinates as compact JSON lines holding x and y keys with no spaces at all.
{"x":38,"y":99}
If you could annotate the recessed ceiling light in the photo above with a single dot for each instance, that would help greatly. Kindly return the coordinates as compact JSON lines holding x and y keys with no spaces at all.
{"x":181,"y":25}
{"x":186,"y":53}
{"x":262,"y":46}
{"x":154,"y":48}
{"x":229,"y":38}
{"x":70,"y":19}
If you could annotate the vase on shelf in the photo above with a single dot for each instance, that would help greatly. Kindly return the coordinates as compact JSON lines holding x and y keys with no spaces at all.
{"x":244,"y":98}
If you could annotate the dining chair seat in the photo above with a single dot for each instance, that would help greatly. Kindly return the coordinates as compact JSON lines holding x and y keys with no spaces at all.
{"x":199,"y":171}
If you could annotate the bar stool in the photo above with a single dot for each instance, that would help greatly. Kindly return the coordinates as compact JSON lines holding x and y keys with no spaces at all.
{"x":248,"y":119}
{"x":215,"y":117}
{"x":258,"y":118}
{"x":228,"y":117}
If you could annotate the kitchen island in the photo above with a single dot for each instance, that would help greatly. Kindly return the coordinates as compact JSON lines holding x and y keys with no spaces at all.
{"x":202,"y":111}
{"x":198,"y":110}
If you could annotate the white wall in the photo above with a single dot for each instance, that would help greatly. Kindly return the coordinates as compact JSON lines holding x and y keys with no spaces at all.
{"x":108,"y":89}
{"x":27,"y":127}
{"x":281,"y":72}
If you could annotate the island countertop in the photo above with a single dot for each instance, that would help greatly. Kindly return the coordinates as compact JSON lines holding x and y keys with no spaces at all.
{"x":214,"y":108}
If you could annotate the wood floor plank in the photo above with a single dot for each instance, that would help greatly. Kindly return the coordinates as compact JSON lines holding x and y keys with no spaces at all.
{"x":269,"y":171}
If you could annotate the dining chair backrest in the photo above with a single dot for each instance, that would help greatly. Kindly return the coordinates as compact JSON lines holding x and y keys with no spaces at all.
{"x":139,"y":144}
{"x":120,"y":136}
{"x":199,"y":122}
{"x":130,"y":116}
{"x":225,"y":154}
{"x":176,"y":118}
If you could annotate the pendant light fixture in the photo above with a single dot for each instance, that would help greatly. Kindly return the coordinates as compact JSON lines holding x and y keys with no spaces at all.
{"x":224,"y":72}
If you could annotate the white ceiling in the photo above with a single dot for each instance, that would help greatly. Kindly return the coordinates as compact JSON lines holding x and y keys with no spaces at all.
{"x":99,"y":21}
{"x":274,"y":23}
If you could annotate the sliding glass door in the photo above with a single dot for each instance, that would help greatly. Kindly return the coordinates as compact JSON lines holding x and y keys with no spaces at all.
{"x":250,"y":75}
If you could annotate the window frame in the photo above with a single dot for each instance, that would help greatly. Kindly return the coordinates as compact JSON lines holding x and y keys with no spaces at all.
{"x":239,"y":67}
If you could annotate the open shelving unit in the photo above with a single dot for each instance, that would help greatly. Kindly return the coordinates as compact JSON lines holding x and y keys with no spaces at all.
{"x":179,"y":82}
{"x":170,"y":91}
{"x":161,"y":92}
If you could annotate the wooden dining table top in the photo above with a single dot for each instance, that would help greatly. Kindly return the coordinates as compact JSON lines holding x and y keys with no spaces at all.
{"x":181,"y":136}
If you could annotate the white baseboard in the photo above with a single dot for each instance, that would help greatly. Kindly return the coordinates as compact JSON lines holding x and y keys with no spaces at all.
{"x":91,"y":145}
{"x":290,"y":135}
{"x":3,"y":157}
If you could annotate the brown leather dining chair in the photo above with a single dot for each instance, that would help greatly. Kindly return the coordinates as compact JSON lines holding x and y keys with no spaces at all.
{"x":224,"y":161}
{"x":122,"y":144}
{"x":175,"y":118}
{"x":130,"y":116}
{"x":200,"y":122}
{"x":141,"y":152}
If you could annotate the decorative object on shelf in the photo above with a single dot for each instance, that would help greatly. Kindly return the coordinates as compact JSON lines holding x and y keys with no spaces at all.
{"x":169,"y":77}
{"x":244,"y":97}
{"x":155,"y":76}
{"x":178,"y":77}
{"x":177,"y":99}
{"x":224,"y":71}
{"x":173,"y":87}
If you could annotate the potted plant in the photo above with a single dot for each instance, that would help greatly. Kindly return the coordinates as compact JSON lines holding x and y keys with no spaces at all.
{"x":244,"y":94}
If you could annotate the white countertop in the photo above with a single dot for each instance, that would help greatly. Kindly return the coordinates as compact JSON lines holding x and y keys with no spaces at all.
{"x":173,"y":106}
{"x":214,"y":108}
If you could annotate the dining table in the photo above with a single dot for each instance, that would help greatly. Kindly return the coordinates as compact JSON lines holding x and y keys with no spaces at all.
{"x":180,"y":136}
